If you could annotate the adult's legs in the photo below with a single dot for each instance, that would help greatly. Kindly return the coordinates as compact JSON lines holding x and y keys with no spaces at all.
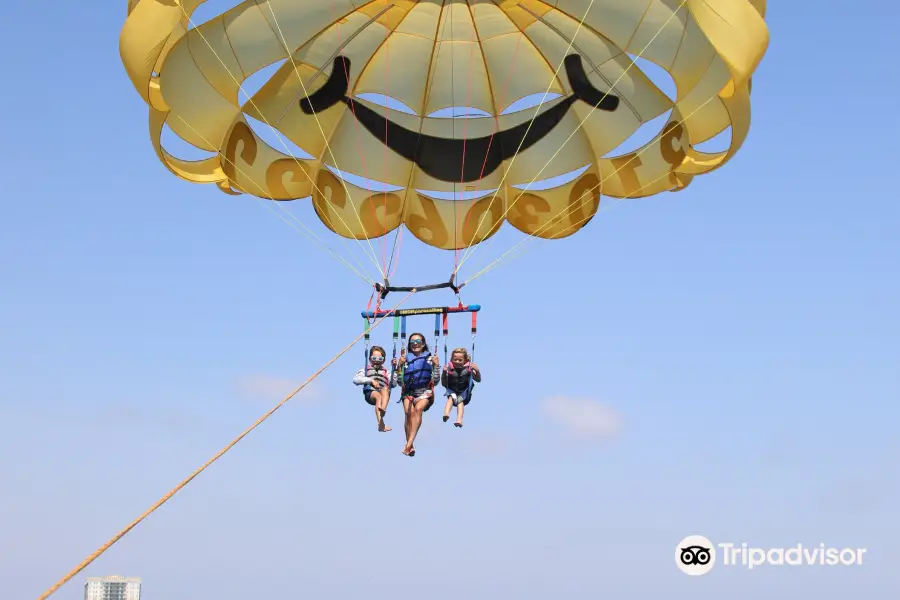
{"x":406,"y":422}
{"x":416,"y":410}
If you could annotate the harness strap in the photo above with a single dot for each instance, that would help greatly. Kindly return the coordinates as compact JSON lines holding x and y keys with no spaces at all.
{"x":472,"y":355}
{"x":396,"y":328}
{"x":367,"y":326}
{"x":446,"y":332}
{"x":437,"y":331}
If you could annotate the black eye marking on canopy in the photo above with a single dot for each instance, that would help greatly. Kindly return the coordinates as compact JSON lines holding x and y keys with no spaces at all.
{"x":442,"y":158}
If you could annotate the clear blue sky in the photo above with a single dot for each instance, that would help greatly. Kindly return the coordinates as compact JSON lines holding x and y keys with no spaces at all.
{"x":744,"y":333}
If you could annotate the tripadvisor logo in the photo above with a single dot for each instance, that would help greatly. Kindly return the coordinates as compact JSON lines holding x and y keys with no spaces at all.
{"x":696,"y":555}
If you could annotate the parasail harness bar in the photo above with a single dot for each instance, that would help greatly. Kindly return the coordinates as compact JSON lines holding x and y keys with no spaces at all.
{"x":431,"y":310}
{"x":385,"y":288}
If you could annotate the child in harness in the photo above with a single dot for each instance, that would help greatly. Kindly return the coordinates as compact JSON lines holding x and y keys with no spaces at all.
{"x":458,"y":378}
{"x":376,"y":381}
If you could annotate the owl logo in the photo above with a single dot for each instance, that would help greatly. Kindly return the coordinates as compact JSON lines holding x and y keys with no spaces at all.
{"x":695,"y":555}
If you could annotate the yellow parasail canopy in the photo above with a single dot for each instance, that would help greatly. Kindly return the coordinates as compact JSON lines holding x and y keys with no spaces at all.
{"x":433,"y":55}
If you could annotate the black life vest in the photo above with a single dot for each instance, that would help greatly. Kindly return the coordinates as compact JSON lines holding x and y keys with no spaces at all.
{"x":459,"y":379}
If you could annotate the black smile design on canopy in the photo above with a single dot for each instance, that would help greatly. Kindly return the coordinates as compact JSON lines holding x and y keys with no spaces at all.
{"x":442,"y":158}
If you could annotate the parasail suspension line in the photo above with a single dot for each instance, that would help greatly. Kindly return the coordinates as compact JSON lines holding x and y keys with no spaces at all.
{"x":373,"y":257}
{"x":580,"y":125}
{"x":331,"y":59}
{"x":615,"y":201}
{"x":309,"y":231}
{"x":584,"y":55}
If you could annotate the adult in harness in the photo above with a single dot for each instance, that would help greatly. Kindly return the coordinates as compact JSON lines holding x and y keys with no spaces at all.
{"x":418,"y":372}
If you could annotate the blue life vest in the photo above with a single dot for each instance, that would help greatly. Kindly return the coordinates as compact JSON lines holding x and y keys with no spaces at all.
{"x":417,"y":375}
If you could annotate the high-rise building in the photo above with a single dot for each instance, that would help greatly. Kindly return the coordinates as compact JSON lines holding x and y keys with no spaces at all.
{"x":114,"y":587}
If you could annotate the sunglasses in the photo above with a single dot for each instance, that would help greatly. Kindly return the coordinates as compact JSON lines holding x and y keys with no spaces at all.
{"x":377,"y":359}
{"x":416,"y":342}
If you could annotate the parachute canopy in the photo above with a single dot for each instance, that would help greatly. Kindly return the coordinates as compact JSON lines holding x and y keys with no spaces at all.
{"x":369,"y":88}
